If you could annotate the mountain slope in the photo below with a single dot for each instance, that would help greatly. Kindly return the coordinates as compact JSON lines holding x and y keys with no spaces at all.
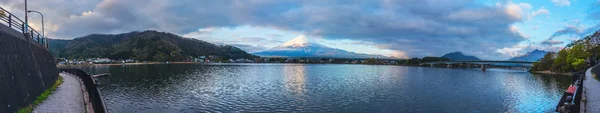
{"x":459,"y":56}
{"x":530,"y":56}
{"x":143,"y":46}
{"x":56,"y":44}
{"x":303,"y":47}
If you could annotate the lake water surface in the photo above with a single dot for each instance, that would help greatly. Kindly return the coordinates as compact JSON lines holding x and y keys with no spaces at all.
{"x":169,"y":88}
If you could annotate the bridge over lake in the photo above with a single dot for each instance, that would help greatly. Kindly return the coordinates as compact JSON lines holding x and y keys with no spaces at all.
{"x":483,"y":64}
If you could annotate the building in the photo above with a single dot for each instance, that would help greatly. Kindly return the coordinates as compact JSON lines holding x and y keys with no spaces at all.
{"x":102,"y":61}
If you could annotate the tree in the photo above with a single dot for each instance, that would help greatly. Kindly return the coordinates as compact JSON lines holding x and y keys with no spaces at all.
{"x":372,"y":61}
{"x":160,"y":56}
{"x":573,"y":57}
{"x":560,"y":61}
{"x":576,"y":57}
{"x":433,"y":59}
{"x":414,"y":61}
{"x":544,"y":63}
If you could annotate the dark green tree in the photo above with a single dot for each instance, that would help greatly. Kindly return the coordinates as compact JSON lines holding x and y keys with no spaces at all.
{"x":372,"y":61}
{"x":560,"y":62}
{"x":544,"y":63}
{"x":576,"y":58}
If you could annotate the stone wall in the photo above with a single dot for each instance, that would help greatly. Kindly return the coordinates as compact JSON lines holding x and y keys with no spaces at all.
{"x":26,"y":70}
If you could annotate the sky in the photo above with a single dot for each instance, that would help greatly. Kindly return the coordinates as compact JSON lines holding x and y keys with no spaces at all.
{"x":488,"y":29}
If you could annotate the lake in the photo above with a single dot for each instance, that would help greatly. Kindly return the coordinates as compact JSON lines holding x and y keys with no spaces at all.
{"x":163,"y":88}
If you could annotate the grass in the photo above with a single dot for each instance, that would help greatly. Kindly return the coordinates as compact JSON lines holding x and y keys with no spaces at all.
{"x":42,"y":97}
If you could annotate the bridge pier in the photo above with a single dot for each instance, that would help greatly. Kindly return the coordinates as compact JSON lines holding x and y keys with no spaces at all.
{"x":483,"y":67}
{"x":448,"y":65}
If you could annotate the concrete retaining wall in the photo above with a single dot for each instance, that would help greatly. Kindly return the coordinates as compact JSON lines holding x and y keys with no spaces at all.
{"x":26,"y":70}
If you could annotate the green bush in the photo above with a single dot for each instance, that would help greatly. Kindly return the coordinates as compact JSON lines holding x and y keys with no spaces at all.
{"x":42,"y":97}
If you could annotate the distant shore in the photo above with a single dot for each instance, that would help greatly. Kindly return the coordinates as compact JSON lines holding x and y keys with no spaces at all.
{"x":136,"y":63}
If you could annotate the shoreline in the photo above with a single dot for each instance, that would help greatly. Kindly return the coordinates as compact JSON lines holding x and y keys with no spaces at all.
{"x":137,"y":63}
{"x":550,"y":73}
{"x":151,"y":63}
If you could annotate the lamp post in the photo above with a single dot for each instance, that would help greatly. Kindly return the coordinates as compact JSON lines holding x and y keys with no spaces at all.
{"x":26,"y":24}
{"x":43,"y":34}
{"x":42,"y":20}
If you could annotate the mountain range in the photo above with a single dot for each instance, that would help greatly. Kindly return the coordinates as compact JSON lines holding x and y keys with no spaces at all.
{"x":303,"y":47}
{"x":161,"y":46}
{"x":459,"y":56}
{"x":143,"y":46}
{"x":530,"y":56}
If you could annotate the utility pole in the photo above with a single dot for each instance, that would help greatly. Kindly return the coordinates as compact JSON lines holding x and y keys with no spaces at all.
{"x":26,"y":24}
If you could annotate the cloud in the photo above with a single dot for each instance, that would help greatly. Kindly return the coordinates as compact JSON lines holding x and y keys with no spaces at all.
{"x":594,"y":15}
{"x":249,"y":48}
{"x":399,"y":54}
{"x":576,"y":30}
{"x":512,"y":51}
{"x":253,"y":39}
{"x":541,"y":11}
{"x":439,"y":29}
{"x":554,"y":48}
{"x":569,"y":29}
{"x":561,"y":2}
{"x":246,"y":47}
{"x":201,"y":32}
{"x":551,"y":42}
{"x":457,"y":25}
{"x":516,"y":30}
{"x":516,"y":10}
{"x":520,"y":49}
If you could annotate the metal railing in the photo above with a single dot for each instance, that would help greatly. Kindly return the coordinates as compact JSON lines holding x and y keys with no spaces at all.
{"x":91,"y":87}
{"x":571,"y":102}
{"x":13,"y":22}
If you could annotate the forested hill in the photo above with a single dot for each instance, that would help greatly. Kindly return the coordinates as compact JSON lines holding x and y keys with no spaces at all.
{"x":459,"y":56}
{"x":142,"y":46}
{"x":576,"y":56}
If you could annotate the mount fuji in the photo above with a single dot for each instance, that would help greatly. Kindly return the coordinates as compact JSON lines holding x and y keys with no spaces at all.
{"x":303,"y":47}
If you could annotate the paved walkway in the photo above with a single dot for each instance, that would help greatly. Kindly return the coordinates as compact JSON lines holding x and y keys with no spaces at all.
{"x":67,"y":98}
{"x":592,"y":92}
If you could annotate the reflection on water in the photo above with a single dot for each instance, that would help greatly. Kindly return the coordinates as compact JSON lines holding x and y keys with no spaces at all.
{"x":324,"y":88}
{"x":294,"y":78}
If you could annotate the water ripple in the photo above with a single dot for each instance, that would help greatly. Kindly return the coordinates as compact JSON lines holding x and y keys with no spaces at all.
{"x":324,"y":88}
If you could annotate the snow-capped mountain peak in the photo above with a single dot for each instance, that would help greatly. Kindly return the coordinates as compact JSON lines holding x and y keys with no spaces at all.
{"x":299,"y":41}
{"x":301,"y":46}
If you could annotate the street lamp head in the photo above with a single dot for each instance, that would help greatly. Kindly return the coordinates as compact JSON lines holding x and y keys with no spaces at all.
{"x":29,"y":11}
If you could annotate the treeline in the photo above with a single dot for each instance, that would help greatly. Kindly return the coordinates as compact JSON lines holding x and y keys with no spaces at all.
{"x":576,"y":56}
{"x":418,"y":61}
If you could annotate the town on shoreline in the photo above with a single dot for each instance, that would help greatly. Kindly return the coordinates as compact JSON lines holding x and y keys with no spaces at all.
{"x":214,"y":59}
